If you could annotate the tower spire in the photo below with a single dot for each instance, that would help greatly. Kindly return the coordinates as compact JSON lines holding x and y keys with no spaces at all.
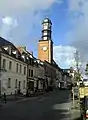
{"x":46,"y":29}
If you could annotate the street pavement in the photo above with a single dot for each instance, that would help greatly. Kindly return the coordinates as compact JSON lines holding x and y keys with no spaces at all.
{"x":52,"y":106}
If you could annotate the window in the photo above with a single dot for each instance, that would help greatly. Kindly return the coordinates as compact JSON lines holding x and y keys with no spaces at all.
{"x":44,"y":38}
{"x":17,"y":68}
{"x":16,"y":83}
{"x":45,"y":27}
{"x":10,"y":65}
{"x":20,"y":68}
{"x":31,"y":73}
{"x":45,"y":33}
{"x":24,"y":84}
{"x":29,"y":61}
{"x":4,"y":63}
{"x":24,"y":70}
{"x":9,"y":82}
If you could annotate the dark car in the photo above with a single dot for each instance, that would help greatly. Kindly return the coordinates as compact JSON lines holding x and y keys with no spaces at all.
{"x":84,"y":108}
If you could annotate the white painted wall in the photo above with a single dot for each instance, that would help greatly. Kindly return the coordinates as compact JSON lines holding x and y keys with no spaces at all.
{"x":13,"y":75}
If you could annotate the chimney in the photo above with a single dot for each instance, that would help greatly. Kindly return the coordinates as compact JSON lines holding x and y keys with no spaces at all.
{"x":9,"y":50}
{"x":16,"y":53}
{"x":21,"y":48}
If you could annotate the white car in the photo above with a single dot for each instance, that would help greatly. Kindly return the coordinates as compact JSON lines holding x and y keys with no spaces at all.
{"x":85,"y":82}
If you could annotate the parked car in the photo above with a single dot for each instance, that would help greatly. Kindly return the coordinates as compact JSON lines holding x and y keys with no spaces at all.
{"x":85,"y":82}
{"x":84,"y":108}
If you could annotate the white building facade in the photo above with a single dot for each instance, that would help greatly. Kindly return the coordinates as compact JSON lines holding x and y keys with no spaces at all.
{"x":13,"y":74}
{"x":39,"y":75}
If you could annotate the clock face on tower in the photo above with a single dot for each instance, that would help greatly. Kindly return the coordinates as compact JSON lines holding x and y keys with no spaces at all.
{"x":44,"y":48}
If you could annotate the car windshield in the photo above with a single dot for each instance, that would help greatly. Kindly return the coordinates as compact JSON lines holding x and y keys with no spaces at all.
{"x":86,"y":102}
{"x":85,"y":80}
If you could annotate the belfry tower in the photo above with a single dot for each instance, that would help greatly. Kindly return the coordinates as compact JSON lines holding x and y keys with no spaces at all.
{"x":45,"y":45}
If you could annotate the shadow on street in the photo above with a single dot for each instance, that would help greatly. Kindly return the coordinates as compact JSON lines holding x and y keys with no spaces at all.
{"x":77,"y":119}
{"x":53,"y":106}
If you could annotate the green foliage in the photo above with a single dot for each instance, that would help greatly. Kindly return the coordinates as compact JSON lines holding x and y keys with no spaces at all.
{"x":77,"y":76}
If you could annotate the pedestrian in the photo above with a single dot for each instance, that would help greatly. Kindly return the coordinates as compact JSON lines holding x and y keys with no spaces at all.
{"x":15,"y":94}
{"x":5,"y":100}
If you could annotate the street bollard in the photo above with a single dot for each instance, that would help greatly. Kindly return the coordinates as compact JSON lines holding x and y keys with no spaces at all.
{"x":5,"y":100}
{"x":15,"y":95}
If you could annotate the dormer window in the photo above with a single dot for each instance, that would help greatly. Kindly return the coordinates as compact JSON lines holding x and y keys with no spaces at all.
{"x":23,"y":56}
{"x":27,"y":58}
{"x":38,"y":61}
{"x":14,"y":52}
{"x":41,"y":63}
{"x":34,"y":61}
{"x":30,"y":56}
{"x":5,"y":48}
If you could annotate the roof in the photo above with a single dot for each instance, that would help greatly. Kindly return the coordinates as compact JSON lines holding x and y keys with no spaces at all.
{"x":4,"y":42}
{"x":12,"y":55}
{"x":46,"y":20}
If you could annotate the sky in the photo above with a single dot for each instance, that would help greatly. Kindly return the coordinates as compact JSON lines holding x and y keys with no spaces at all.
{"x":20,"y":23}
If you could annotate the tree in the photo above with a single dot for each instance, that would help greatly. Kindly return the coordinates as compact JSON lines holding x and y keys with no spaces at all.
{"x":77,"y":60}
{"x":77,"y":76}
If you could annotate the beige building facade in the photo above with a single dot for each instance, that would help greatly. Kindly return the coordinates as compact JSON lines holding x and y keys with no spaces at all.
{"x":13,"y":73}
{"x":39,"y":75}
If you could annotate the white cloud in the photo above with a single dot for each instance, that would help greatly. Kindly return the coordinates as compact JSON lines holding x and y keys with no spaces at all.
{"x":78,"y":10}
{"x":9,"y":21}
{"x":24,"y":16}
{"x":9,"y":6}
{"x":64,"y":56}
{"x":8,"y":24}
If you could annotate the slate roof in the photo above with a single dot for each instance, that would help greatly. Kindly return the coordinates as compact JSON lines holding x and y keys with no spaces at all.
{"x":4,"y":42}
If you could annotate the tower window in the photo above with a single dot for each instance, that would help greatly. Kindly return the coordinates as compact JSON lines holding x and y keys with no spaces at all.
{"x":44,"y":38}
{"x":45,"y":33}
{"x":46,"y":24}
{"x":45,"y":27}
